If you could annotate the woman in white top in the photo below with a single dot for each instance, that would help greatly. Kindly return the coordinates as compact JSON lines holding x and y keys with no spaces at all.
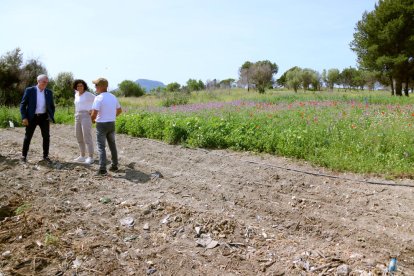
{"x":83,"y":122}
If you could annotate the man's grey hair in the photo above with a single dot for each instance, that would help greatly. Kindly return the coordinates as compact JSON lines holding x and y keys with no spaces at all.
{"x":42,"y":77}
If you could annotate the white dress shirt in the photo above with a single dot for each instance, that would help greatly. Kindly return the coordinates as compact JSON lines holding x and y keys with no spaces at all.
{"x":40,"y":101}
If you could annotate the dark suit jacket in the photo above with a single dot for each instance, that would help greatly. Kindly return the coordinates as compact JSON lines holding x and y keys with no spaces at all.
{"x":28,"y":104}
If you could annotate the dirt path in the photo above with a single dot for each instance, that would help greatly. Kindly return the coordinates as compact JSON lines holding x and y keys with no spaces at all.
{"x":208,"y":213}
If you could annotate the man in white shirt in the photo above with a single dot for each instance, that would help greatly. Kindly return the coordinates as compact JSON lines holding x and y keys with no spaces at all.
{"x":105,"y":109}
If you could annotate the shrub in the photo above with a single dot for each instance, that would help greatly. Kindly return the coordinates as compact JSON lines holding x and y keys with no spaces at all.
{"x":175,"y":98}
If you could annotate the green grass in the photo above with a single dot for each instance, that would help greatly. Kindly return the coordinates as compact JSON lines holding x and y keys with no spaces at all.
{"x":22,"y":208}
{"x":271,"y":96}
{"x":366,"y":132}
{"x":63,"y":115}
{"x":50,"y":239}
{"x":9,"y":114}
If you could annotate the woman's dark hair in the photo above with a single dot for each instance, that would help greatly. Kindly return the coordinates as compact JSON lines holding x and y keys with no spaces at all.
{"x":76,"y":82}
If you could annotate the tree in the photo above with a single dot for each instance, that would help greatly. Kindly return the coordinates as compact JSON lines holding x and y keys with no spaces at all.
{"x":212,"y":84}
{"x":282,"y":81}
{"x":128,"y":88}
{"x":370,"y":78}
{"x":15,"y":77}
{"x":173,"y":87}
{"x":316,"y":81}
{"x":226,"y":84}
{"x":29,"y":73}
{"x":358,"y":80}
{"x":63,"y":90}
{"x":10,"y":64}
{"x":332,"y":78}
{"x":201,"y":84}
{"x":258,"y":74}
{"x":310,"y":77}
{"x":245,"y":73}
{"x":348,"y":78}
{"x":384,"y":42}
{"x":262,"y":74}
{"x":294,"y":78}
{"x":194,"y":85}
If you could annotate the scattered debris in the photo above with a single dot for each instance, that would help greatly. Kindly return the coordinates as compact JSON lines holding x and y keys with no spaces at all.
{"x":105,"y":200}
{"x":130,"y":238}
{"x":155,"y":175}
{"x":206,"y":241}
{"x":77,"y":263}
{"x":197,"y":230}
{"x":392,"y":267}
{"x":128,"y":221}
{"x":151,"y":270}
{"x":165,"y":219}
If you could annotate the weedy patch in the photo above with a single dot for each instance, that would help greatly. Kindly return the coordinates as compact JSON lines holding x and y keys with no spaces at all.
{"x":50,"y":239}
{"x":22,"y":209}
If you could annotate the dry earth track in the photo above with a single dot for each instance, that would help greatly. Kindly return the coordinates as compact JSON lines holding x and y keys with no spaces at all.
{"x":268,"y":215}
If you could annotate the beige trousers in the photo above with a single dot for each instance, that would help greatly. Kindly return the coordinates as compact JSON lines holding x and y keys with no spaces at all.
{"x":83,"y":132}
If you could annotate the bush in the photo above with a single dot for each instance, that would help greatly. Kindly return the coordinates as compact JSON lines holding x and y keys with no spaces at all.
{"x":175,"y":131}
{"x":175,"y":98}
{"x":9,"y":114}
{"x":62,"y":116}
{"x":129,"y":88}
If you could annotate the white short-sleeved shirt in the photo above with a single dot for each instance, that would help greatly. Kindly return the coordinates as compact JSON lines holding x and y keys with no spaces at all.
{"x":106,"y":104}
{"x":84,"y":102}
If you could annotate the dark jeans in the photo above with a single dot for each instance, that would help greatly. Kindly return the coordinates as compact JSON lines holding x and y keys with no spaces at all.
{"x":106,"y":132}
{"x":43,"y":122}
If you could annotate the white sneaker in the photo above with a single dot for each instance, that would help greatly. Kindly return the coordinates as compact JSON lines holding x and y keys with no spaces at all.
{"x":79,"y":159}
{"x":89,"y":160}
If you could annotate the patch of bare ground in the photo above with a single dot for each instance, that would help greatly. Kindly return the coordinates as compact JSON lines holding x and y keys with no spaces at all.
{"x":171,"y":210}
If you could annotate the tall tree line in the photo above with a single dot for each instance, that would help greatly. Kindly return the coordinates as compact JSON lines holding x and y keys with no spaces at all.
{"x":384,"y":42}
{"x":16,"y":75}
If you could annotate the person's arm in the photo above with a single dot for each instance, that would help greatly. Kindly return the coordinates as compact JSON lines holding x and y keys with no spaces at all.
{"x":52,"y":106}
{"x":91,"y":99}
{"x":23,"y":107}
{"x":93,"y":115}
{"x":118,"y":111}
{"x":52,"y":103}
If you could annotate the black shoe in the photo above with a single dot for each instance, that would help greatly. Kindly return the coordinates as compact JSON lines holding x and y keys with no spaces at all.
{"x":113,"y":168}
{"x":101,"y":173}
{"x":23,"y":159}
{"x":47,"y":160}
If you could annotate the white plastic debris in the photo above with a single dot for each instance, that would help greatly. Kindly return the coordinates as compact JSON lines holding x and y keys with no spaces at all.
{"x":128,"y":221}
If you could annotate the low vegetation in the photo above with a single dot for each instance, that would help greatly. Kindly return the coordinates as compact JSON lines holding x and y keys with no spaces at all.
{"x":367,"y":132}
{"x":361,"y":132}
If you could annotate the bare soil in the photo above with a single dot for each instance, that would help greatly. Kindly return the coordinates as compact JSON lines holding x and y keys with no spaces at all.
{"x":172,"y":210}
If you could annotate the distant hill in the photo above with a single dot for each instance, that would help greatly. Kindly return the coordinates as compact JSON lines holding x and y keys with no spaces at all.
{"x":149,"y":84}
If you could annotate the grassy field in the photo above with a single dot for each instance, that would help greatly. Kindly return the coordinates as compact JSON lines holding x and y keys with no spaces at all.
{"x":358,"y":131}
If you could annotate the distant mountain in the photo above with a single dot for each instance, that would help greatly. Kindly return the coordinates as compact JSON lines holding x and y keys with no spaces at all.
{"x":149,"y":84}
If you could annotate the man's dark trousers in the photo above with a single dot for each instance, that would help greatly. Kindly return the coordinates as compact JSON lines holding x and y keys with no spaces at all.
{"x":42,"y":121}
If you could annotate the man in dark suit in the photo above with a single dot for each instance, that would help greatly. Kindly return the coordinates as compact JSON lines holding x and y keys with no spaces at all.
{"x":37,"y":109}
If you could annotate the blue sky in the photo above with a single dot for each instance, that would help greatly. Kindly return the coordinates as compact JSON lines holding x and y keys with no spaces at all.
{"x":174,"y":40}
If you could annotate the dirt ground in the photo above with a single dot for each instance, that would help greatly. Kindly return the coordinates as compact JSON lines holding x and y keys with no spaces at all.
{"x":171,"y":210}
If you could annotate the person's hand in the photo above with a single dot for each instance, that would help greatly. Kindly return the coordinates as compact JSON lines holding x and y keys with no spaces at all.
{"x":25,"y":122}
